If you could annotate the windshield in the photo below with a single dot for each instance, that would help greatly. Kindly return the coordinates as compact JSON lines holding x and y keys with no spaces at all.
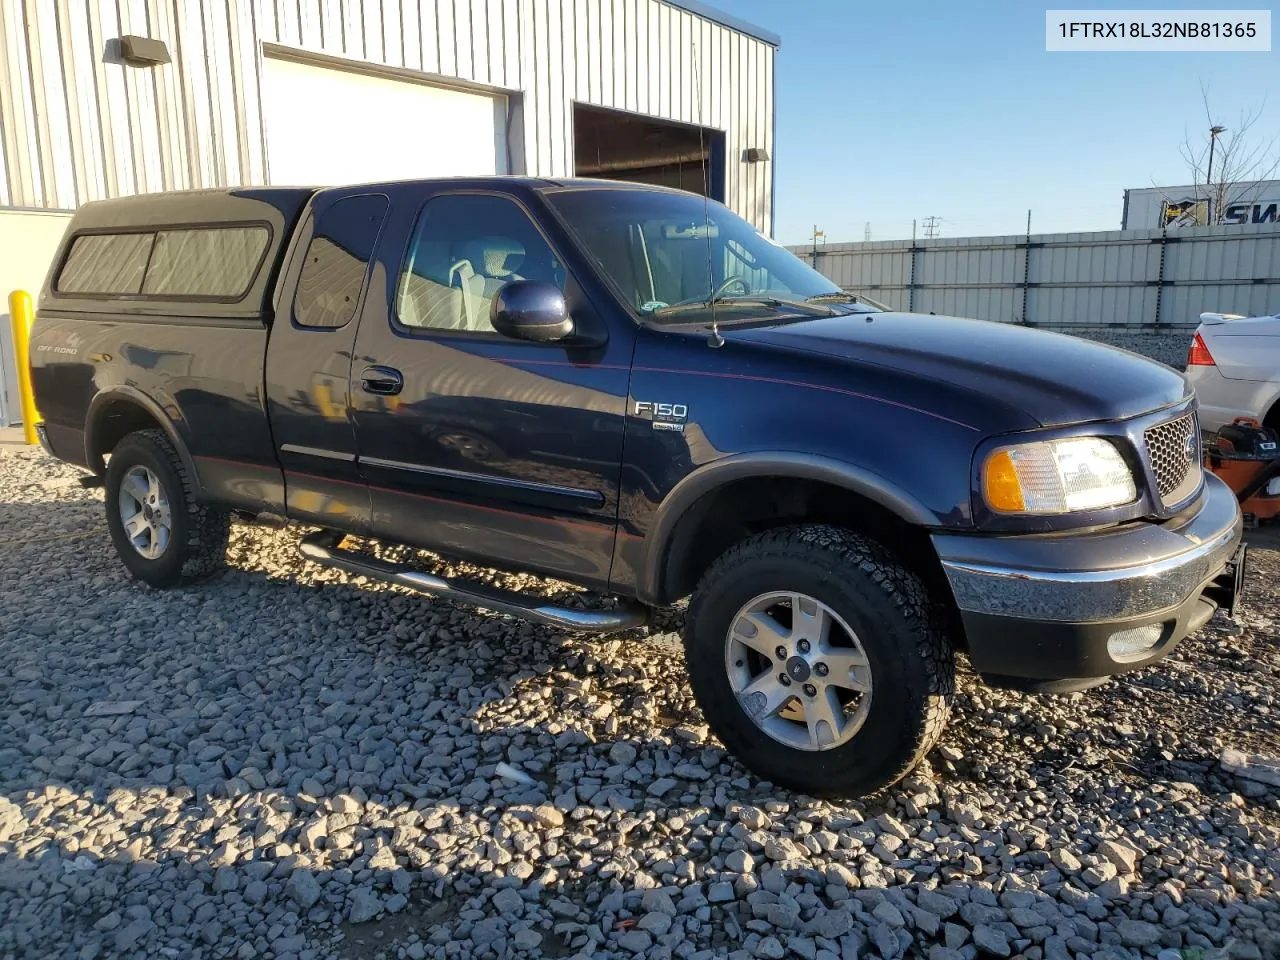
{"x":671,"y":253}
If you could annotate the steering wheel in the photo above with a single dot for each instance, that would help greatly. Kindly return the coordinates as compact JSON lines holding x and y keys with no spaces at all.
{"x":717,"y":293}
{"x":728,"y":285}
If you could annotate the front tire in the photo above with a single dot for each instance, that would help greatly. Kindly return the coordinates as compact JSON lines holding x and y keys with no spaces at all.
{"x":163,"y":535}
{"x":814,"y":657}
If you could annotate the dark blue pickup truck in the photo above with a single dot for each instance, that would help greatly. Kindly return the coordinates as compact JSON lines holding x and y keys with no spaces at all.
{"x":633,"y":390}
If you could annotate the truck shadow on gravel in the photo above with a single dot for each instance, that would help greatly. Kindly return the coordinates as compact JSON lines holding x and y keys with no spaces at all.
{"x":36,"y":527}
{"x":257,"y":759}
{"x":137,"y":909}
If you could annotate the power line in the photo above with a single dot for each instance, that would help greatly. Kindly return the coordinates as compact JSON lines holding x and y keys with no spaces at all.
{"x":931,"y":227}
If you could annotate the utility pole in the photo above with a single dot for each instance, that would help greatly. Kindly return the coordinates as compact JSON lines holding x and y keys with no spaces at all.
{"x":913,"y":231}
{"x":1213,"y":139}
{"x":1208,"y":177}
{"x":1026,"y":271}
{"x":817,"y":234}
{"x":866,"y":232}
{"x":931,"y":227}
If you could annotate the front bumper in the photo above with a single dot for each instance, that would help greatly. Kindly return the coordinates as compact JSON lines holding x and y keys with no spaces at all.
{"x":1047,"y":608}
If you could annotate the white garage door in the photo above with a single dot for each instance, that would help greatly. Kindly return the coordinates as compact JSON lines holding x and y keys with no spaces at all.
{"x":329,"y":126}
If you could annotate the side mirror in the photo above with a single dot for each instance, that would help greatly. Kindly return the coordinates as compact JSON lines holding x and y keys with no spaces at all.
{"x":531,"y":310}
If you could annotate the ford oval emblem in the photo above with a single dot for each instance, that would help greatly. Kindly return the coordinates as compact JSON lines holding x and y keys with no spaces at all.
{"x":1191,"y":447}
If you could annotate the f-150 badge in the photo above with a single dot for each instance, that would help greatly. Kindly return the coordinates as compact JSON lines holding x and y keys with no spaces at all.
{"x":665,"y":416}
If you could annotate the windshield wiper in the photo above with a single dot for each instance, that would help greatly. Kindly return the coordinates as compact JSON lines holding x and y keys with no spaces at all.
{"x":750,"y":299}
{"x":840,"y":296}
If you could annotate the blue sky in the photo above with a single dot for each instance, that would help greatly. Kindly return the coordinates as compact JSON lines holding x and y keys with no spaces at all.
{"x":894,"y":110}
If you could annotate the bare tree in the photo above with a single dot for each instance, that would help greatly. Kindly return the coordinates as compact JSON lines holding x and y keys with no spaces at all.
{"x":1229,"y":162}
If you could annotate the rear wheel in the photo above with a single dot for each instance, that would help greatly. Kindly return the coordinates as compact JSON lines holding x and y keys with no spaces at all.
{"x":814,"y":658}
{"x":161,"y":532}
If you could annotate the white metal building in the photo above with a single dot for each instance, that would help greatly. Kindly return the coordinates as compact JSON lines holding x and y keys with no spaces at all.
{"x":333,"y":91}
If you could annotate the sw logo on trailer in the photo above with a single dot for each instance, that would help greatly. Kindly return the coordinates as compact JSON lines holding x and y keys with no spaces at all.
{"x":1252,"y":213}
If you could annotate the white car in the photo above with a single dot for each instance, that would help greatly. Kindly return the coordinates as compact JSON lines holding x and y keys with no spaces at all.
{"x":1234,"y":365}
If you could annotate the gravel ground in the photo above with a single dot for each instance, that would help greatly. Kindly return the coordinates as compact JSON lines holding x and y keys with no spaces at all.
{"x":1169,"y":348}
{"x":255,"y":767}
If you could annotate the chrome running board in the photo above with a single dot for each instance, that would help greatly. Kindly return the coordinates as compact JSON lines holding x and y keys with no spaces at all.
{"x":322,"y":547}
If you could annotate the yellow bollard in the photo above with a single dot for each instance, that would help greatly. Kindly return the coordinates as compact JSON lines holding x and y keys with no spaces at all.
{"x":22,"y":313}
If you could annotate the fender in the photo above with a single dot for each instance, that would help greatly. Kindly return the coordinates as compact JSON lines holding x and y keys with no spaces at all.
{"x":1271,"y":409}
{"x":94,"y":418}
{"x":765,"y":464}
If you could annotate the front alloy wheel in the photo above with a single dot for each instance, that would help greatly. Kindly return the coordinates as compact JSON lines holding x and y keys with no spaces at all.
{"x":817,"y":659}
{"x":798,"y":671}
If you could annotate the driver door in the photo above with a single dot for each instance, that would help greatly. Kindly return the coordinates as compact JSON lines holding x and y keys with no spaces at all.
{"x":475,"y":444}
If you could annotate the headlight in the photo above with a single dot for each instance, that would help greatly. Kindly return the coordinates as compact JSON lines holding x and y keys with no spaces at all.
{"x":1057,"y":476}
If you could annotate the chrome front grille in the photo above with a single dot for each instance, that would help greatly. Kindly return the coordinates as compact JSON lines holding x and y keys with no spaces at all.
{"x":1173,"y":450}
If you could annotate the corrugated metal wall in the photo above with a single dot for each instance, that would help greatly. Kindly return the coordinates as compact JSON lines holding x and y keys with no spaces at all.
{"x":77,"y":125}
{"x":1132,"y":277}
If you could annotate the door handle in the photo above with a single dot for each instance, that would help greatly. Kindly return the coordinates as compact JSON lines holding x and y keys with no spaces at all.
{"x":386,"y":381}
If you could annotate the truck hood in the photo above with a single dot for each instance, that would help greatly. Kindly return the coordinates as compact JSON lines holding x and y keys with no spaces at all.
{"x":1056,"y":379}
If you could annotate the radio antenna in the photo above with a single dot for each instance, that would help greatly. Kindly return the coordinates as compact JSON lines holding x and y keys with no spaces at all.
{"x":703,"y":162}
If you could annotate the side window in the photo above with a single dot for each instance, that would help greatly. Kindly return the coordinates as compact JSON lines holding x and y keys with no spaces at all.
{"x":106,"y":264}
{"x":196,"y":263}
{"x":337,"y":260}
{"x":207,"y":262}
{"x":465,"y":248}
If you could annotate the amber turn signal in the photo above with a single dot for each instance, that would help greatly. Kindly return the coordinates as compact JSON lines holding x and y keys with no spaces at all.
{"x":1001,"y":485}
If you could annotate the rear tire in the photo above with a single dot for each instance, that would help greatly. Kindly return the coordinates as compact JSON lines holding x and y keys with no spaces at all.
{"x":880,"y":633}
{"x":164,"y":536}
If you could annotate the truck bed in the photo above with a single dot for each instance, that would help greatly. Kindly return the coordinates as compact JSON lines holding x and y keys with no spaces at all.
{"x":166,"y":300}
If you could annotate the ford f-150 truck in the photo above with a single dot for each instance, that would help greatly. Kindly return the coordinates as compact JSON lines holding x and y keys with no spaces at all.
{"x":632,"y":390}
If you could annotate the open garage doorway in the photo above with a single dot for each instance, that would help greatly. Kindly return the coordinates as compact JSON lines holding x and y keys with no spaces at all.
{"x":626,"y":146}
